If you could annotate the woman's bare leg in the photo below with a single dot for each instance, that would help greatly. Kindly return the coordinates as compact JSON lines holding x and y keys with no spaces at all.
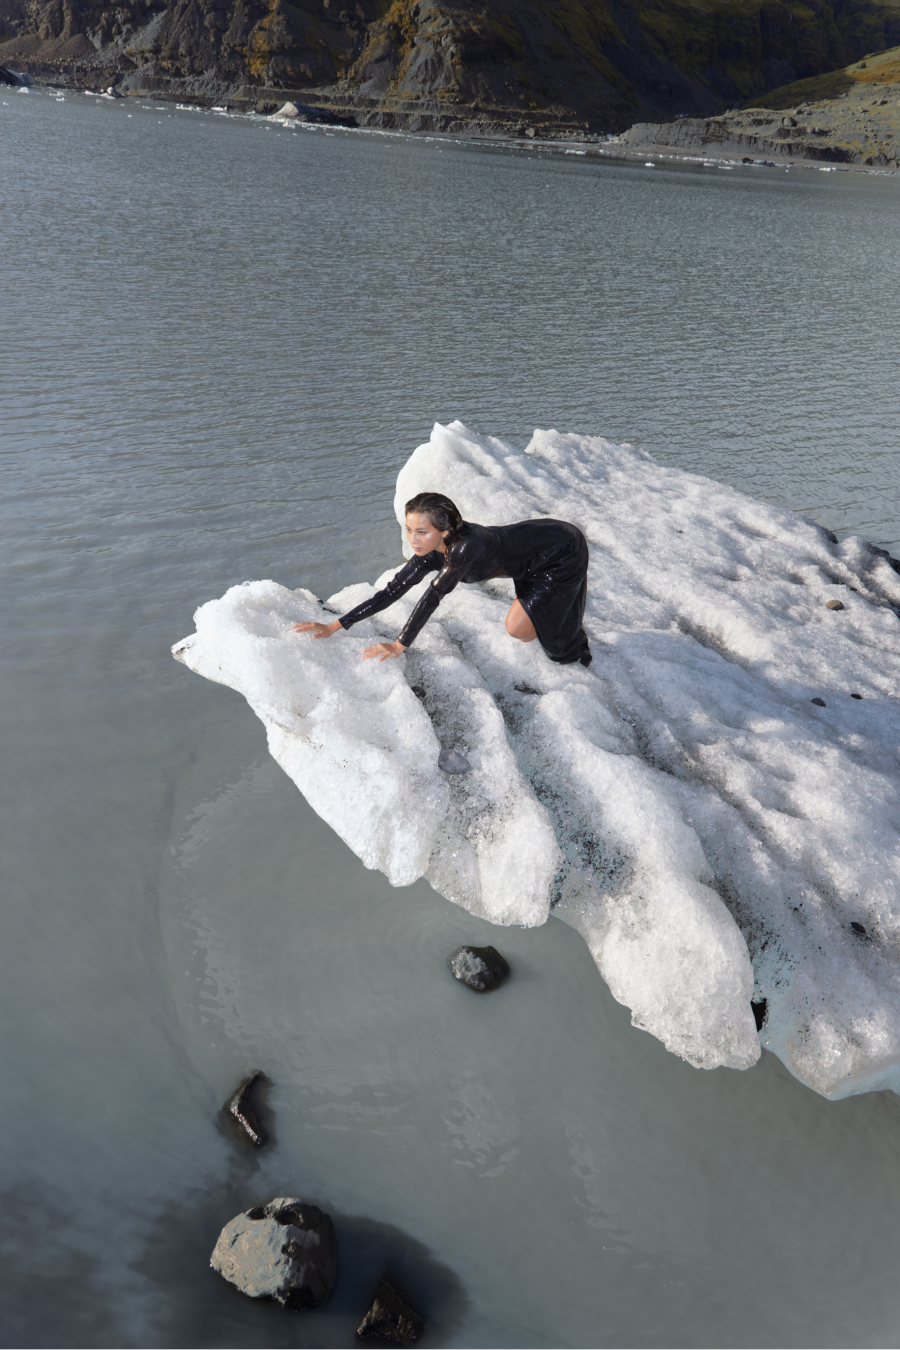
{"x":518,"y":624}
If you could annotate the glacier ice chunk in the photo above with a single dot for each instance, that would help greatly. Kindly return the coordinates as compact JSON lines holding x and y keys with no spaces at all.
{"x":714,"y":835}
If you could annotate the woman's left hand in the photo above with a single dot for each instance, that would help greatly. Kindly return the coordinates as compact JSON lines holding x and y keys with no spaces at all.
{"x":384,"y":651}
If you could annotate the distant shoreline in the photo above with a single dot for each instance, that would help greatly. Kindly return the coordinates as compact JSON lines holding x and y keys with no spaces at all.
{"x":848,"y":119}
{"x":716,"y":141}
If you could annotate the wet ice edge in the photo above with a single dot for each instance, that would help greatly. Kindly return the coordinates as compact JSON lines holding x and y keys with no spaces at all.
{"x":682,"y":803}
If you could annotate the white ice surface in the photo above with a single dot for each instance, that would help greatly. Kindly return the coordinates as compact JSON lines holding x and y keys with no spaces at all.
{"x":679,"y":802}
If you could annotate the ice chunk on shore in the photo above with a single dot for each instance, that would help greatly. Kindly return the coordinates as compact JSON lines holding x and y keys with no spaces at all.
{"x":682,"y":803}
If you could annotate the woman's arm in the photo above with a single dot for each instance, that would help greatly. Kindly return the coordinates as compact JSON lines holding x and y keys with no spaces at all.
{"x":408,"y":575}
{"x":399,"y":584}
{"x":459,"y":562}
{"x":323,"y":630}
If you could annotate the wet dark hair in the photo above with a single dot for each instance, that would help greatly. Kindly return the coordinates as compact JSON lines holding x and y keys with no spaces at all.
{"x":440,"y":511}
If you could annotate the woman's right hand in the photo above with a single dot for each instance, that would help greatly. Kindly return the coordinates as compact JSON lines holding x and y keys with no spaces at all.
{"x":317,"y":630}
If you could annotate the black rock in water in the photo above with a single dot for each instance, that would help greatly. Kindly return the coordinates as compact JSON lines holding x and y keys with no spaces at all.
{"x":284,"y":1250}
{"x":819,"y":702}
{"x":241,"y":1111}
{"x":389,"y":1319}
{"x":481,"y":968}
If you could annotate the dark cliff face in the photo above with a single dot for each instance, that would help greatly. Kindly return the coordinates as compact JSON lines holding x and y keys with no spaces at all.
{"x":590,"y":63}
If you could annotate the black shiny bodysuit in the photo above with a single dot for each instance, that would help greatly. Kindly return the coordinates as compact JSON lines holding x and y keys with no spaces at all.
{"x":547,"y":560}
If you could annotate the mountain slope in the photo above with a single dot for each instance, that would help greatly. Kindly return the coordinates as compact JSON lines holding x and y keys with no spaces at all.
{"x":849,"y":116}
{"x":598,"y":64}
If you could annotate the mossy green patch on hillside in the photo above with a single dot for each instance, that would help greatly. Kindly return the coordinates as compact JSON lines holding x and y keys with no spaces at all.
{"x":504,"y":32}
{"x":740,"y":36}
{"x":587,"y":26}
{"x":881,"y":68}
{"x":586,"y":23}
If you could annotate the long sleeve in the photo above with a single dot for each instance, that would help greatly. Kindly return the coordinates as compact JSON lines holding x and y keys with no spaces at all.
{"x":455,"y":570}
{"x":398,"y":585}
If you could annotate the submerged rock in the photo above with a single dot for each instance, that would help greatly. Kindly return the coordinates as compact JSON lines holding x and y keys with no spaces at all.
{"x":451,"y":761}
{"x":481,"y":968}
{"x":240,"y":1110}
{"x":284,"y":1250}
{"x":389,"y":1318}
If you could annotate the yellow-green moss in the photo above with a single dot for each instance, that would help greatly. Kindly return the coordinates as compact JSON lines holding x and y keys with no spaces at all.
{"x":881,"y":69}
{"x":587,"y":24}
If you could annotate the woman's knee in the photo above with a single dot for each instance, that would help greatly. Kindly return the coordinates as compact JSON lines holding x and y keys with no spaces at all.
{"x":518,"y":624}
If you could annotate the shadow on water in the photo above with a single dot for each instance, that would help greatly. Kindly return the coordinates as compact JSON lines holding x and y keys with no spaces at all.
{"x":59,"y":1285}
{"x":48,"y":1292}
{"x":198,"y":1308}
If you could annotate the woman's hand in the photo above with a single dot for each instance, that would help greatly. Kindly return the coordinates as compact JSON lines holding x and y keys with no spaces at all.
{"x":384,"y":651}
{"x":317,"y":630}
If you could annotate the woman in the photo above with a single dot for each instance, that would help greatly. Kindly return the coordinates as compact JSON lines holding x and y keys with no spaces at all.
{"x":547,"y":560}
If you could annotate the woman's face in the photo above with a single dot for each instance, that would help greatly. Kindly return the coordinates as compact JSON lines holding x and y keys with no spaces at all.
{"x":422,"y":535}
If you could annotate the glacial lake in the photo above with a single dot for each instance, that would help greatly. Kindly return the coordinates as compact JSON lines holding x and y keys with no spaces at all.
{"x":221,"y":339}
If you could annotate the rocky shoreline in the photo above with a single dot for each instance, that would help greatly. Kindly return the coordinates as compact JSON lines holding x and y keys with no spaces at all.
{"x":855,"y":125}
{"x":850,"y":118}
{"x":425,"y":115}
{"x":456,"y":67}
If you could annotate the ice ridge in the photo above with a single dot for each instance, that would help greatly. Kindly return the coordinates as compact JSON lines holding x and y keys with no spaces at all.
{"x":714,"y":835}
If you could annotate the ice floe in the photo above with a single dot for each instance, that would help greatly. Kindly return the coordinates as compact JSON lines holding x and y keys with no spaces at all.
{"x":683,"y":803}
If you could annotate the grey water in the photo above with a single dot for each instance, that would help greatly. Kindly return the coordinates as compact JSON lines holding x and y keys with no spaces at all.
{"x":220,"y":340}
